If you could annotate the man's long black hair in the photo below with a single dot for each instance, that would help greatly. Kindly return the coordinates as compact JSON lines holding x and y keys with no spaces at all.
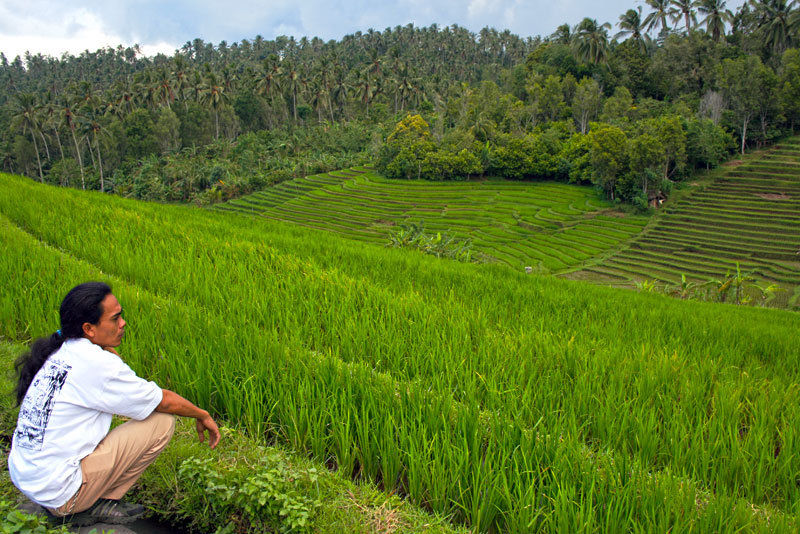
{"x":83,"y":304}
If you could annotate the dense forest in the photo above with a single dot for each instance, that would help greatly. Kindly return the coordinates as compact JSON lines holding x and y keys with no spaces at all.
{"x":680,"y":85}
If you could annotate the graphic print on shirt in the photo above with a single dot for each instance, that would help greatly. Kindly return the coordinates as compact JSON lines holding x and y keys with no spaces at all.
{"x":38,"y":404}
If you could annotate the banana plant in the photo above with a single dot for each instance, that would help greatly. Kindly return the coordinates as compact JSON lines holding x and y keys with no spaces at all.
{"x":766,"y":290}
{"x":685,"y":289}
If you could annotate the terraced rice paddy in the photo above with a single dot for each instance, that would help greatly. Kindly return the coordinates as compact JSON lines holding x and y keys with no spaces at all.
{"x":553,"y":225}
{"x":751,"y":215}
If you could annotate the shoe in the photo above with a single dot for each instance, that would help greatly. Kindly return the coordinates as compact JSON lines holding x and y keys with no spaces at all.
{"x":107,"y":511}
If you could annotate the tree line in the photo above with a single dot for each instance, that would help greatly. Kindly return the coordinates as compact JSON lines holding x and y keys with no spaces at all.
{"x":678,"y":87}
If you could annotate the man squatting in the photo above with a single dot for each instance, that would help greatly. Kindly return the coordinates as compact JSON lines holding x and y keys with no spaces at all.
{"x":63,"y":456}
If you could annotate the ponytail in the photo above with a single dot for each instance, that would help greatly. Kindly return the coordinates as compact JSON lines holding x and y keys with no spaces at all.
{"x":29,"y":363}
{"x":83,"y":304}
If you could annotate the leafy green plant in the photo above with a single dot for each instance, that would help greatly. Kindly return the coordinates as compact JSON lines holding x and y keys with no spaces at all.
{"x":732,"y":287}
{"x":646,"y":286}
{"x":767,"y":290}
{"x":686,"y":289}
{"x":268,"y":496}
{"x":736,"y":287}
{"x":15,"y":521}
{"x":440,"y":245}
{"x":739,"y":281}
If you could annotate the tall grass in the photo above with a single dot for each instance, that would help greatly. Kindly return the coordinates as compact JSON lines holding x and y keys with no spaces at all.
{"x":512,"y":402}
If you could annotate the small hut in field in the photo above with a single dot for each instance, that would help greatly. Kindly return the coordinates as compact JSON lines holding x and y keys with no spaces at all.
{"x":655,"y":199}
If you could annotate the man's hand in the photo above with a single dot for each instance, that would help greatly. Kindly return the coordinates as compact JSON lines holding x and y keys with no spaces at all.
{"x":173,"y":403}
{"x":207,"y":423}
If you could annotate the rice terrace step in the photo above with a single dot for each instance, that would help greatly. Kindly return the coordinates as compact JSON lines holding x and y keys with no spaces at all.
{"x":750,"y":215}
{"x":554,"y":225}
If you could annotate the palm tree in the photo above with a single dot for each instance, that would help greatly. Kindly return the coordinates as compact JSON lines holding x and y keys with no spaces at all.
{"x":41,"y":120}
{"x":776,"y":22}
{"x":85,"y":93}
{"x":683,"y":9}
{"x":370,"y":82}
{"x":293,"y":84}
{"x":196,"y":85}
{"x":321,"y":84}
{"x":365,"y":89}
{"x":125,"y":97}
{"x":318,"y":95}
{"x":482,"y":128}
{"x":562,"y":35}
{"x":164,"y":87}
{"x":631,"y":24}
{"x":329,"y":77}
{"x":402,"y":82}
{"x":212,"y":94}
{"x":180,"y":74}
{"x":25,"y":115}
{"x":90,"y":125}
{"x":229,"y":77}
{"x":147,"y":89}
{"x":49,"y":110}
{"x":591,"y":40}
{"x":268,"y":84}
{"x":69,"y":118}
{"x":418,"y":92}
{"x":340,"y":92}
{"x":658,"y":17}
{"x":716,"y":16}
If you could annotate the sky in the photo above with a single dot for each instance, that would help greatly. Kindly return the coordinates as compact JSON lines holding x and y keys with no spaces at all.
{"x":53,"y":27}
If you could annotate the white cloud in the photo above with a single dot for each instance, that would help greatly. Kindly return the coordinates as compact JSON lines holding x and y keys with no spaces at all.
{"x":479,"y":8}
{"x":168,"y":49}
{"x":510,"y":15}
{"x":70,"y":31}
{"x":74,"y":33}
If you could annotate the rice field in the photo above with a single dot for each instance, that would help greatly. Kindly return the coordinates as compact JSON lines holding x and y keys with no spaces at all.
{"x":550,"y":225}
{"x":512,"y":402}
{"x":749,"y":216}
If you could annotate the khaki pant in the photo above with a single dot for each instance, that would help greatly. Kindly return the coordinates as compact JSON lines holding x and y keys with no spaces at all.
{"x":118,"y":461}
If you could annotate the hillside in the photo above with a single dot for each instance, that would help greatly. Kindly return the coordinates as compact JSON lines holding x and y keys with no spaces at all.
{"x":516,"y":223}
{"x":506,"y":401}
{"x":750,"y":215}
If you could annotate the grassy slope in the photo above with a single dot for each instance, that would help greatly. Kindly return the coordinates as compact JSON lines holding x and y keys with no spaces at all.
{"x":749,"y":213}
{"x":556,"y":225}
{"x":542,"y":353}
{"x":342,"y":505}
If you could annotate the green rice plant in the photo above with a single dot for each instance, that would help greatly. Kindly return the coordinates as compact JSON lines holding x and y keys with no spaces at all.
{"x":438,"y":379}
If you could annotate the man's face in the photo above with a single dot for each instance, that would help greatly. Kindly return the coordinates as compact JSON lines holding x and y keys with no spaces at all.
{"x":110,"y":328}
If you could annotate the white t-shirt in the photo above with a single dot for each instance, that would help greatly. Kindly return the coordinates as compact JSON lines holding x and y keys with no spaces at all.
{"x":67,"y":412}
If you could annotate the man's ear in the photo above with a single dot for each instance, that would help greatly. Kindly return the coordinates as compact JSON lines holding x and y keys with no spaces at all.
{"x":88,"y":330}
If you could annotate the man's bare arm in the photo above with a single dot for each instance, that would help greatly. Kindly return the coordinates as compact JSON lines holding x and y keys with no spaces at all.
{"x":173,"y":403}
